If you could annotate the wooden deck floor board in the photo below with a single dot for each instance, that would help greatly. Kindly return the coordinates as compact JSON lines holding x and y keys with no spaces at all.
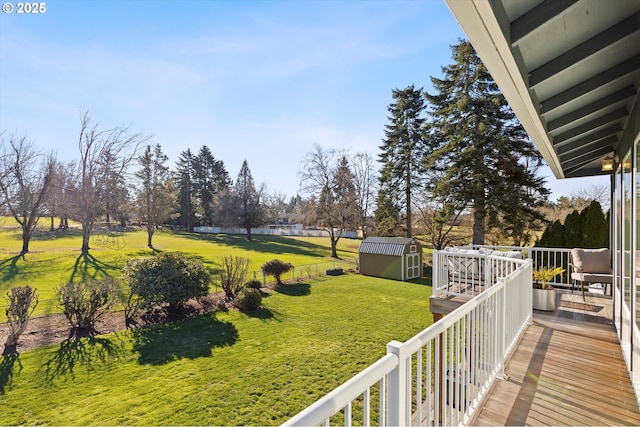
{"x":568,"y":369}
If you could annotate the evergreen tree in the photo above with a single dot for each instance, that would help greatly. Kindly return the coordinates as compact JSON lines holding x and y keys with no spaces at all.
{"x":595,"y":232}
{"x":402,"y":153}
{"x":184,"y":181}
{"x":154,"y":195}
{"x":387,"y":214}
{"x":210,"y":177}
{"x":482,"y":152}
{"x":251,"y":211}
{"x":573,"y":230}
{"x":553,"y":236}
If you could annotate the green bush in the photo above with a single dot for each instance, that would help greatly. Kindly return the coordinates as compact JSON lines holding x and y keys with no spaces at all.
{"x":168,"y":278}
{"x":254,"y":284}
{"x":84,"y":303}
{"x":276,"y":268}
{"x":248,"y":299}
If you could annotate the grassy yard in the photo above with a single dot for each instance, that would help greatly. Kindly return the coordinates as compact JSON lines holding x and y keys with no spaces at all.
{"x":224,"y":368}
{"x":55,"y":258}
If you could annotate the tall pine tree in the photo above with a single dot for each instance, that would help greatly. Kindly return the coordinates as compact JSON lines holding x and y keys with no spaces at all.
{"x":154,"y":194}
{"x":184,"y":180}
{"x":401,"y":159}
{"x":251,"y":211}
{"x":210,"y":177}
{"x":481,"y":149}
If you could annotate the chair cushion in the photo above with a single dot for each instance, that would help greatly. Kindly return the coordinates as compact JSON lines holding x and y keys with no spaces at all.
{"x":593,"y":278}
{"x":592,"y":260}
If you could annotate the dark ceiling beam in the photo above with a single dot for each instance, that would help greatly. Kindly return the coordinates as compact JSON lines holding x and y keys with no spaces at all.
{"x":585,"y":49}
{"x":585,"y":172}
{"x":585,"y":161}
{"x":590,"y":152}
{"x":581,"y":148}
{"x":580,"y":162}
{"x":593,"y":124}
{"x":596,"y":106}
{"x":595,"y":136}
{"x":537,"y":16}
{"x":623,"y":69}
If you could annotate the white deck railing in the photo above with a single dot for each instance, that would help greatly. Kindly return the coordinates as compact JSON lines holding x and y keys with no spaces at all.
{"x":480,"y":267}
{"x":542,"y":258}
{"x":439,"y":376}
{"x":470,"y":273}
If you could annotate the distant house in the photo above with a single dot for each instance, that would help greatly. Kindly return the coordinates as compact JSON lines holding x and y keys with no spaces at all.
{"x":390,"y":257}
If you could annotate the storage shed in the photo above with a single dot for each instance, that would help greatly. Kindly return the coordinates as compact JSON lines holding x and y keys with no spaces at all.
{"x":390,"y":257}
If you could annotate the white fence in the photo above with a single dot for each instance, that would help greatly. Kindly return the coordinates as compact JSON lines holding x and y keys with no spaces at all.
{"x":439,"y":376}
{"x":272,"y":232}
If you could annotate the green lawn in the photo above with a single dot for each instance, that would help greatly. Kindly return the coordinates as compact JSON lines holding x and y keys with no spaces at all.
{"x":224,"y":368}
{"x":55,"y":258}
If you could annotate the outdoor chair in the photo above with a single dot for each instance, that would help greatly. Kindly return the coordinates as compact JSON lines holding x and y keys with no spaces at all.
{"x":589,"y":266}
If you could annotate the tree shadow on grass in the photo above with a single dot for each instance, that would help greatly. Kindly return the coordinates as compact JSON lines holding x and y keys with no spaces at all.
{"x":88,"y":267}
{"x":9,"y":267}
{"x":263,"y":314}
{"x":86,"y":352}
{"x":268,"y":244}
{"x":9,"y":359}
{"x":189,"y":338}
{"x":296,"y":290}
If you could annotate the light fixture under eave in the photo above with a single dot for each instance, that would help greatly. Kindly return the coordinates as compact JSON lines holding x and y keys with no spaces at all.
{"x":607,"y":165}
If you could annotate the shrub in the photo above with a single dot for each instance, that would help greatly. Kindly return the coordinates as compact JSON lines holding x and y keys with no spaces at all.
{"x":276,"y":268}
{"x":233,"y":275}
{"x":248,"y":299}
{"x":84,"y":303}
{"x":168,"y":278}
{"x":254,"y":284}
{"x":22,"y":301}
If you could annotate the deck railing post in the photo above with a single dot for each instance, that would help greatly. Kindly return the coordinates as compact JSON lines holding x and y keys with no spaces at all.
{"x":397,"y":387}
{"x":503,"y":329}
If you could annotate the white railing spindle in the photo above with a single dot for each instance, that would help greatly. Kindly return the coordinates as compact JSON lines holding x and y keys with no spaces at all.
{"x":456,"y":359}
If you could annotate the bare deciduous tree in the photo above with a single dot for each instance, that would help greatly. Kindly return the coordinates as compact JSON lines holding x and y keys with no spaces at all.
{"x":233,"y":274}
{"x":598,"y":192}
{"x":25,"y":175}
{"x":328,"y":179}
{"x":440,"y":217}
{"x":364,"y":182}
{"x":275,"y":206}
{"x":60,"y":194}
{"x":104,"y":157}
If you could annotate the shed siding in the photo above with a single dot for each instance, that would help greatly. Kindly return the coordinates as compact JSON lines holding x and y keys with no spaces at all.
{"x":381,"y":266}
{"x":386,"y":256}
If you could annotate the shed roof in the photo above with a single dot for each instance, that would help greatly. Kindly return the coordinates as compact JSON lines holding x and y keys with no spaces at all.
{"x":385,"y":245}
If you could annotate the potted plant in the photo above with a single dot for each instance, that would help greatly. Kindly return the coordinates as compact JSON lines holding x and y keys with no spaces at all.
{"x":544,"y":295}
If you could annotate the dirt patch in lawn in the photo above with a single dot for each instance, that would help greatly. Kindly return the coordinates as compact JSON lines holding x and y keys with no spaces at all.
{"x":55,"y":328}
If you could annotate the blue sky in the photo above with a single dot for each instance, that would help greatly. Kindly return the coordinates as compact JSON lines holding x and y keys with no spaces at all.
{"x":257,"y":80}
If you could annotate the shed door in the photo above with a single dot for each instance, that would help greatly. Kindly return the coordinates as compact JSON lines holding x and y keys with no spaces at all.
{"x":413,"y":266}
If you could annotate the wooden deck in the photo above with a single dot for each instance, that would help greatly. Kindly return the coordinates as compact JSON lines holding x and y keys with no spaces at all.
{"x":568,"y":369}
